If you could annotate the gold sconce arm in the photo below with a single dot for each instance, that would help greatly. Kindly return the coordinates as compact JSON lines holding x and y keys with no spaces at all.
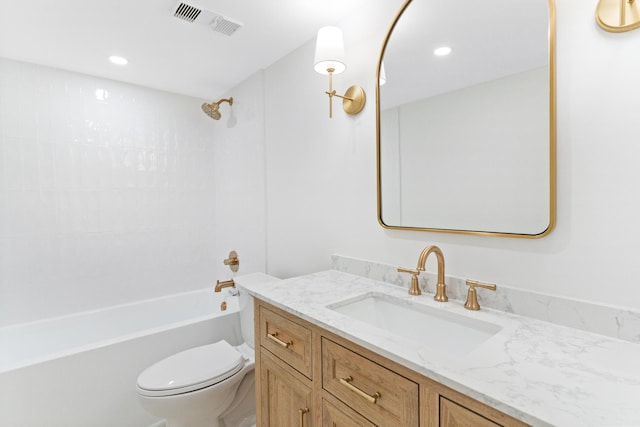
{"x":353,"y":100}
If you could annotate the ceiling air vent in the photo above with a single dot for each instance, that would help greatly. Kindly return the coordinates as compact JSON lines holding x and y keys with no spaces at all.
{"x":198,"y":15}
{"x":187,"y":12}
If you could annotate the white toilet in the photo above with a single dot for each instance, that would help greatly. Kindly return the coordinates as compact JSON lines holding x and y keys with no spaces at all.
{"x":208,"y":386}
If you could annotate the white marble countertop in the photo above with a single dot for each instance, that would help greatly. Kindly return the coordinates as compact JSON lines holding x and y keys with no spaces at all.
{"x":538,"y":372}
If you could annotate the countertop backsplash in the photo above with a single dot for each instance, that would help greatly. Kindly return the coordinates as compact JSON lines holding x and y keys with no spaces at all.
{"x":616,"y":322}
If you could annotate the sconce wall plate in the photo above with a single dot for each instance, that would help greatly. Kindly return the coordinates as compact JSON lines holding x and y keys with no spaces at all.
{"x":618,"y":16}
{"x":354,"y":100}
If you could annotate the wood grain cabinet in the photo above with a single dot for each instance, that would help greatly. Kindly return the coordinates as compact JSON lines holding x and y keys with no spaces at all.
{"x":452,"y":414}
{"x":285,"y":396}
{"x":379,"y":394}
{"x":307,"y":376}
{"x":335,"y":414}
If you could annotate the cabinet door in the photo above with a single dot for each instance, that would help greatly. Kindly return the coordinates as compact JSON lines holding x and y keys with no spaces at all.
{"x":454,"y":415}
{"x":285,"y":395}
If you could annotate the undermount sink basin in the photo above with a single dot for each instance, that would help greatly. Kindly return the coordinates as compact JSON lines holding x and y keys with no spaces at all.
{"x":443,"y":333}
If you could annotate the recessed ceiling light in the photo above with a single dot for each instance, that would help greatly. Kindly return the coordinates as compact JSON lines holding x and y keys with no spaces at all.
{"x":118,"y":60}
{"x":442,"y":51}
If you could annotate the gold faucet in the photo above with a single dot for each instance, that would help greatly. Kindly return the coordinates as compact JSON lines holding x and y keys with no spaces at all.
{"x":441,"y":288}
{"x":226,"y":284}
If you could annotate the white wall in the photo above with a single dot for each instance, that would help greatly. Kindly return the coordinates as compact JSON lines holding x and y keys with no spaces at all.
{"x":321,"y":172}
{"x":85,"y":225}
{"x":105,"y":201}
{"x":240,"y":179}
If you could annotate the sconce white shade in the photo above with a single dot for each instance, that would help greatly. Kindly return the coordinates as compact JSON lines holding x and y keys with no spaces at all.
{"x":329,"y":51}
{"x":383,"y":75}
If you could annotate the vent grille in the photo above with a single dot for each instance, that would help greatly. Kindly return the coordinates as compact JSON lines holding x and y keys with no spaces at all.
{"x":200,"y":16}
{"x":187,"y":12}
{"x":225,"y":25}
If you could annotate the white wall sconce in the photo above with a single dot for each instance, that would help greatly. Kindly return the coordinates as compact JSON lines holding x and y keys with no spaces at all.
{"x":329,"y":59}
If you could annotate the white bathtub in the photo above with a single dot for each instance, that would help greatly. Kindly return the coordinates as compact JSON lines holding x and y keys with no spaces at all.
{"x":80,"y":370}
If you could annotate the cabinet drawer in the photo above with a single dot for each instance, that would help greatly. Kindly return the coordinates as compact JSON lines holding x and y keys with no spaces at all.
{"x":453,"y":415}
{"x":287,"y":340}
{"x":335,"y":414}
{"x":380,"y":395}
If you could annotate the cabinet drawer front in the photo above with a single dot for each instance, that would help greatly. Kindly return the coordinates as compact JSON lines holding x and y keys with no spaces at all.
{"x":382,"y":396}
{"x":287,"y":340}
{"x":453,"y":415}
{"x":339,"y":415}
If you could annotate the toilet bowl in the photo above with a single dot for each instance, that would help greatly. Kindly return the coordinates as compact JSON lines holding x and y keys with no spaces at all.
{"x":210,"y":385}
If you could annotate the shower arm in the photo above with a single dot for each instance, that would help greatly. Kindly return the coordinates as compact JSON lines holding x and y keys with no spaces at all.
{"x":228,"y":100}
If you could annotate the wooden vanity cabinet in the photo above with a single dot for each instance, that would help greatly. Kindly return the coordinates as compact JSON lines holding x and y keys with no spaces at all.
{"x":309,"y":377}
{"x":452,"y":414}
{"x":379,"y":394}
{"x":285,"y":396}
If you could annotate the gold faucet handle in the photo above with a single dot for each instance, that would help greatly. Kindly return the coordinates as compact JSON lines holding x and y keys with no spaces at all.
{"x":414,"y":289}
{"x":233,"y":262}
{"x":408,"y":270}
{"x":472,"y":295}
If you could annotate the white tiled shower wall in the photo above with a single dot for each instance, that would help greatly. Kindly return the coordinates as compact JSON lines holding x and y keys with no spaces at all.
{"x":106,"y":193}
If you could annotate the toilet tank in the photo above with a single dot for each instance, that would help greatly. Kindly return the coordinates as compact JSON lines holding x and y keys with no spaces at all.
{"x":246,"y":302}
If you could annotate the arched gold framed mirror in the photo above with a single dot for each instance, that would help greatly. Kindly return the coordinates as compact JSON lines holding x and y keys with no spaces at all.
{"x":466,"y":142}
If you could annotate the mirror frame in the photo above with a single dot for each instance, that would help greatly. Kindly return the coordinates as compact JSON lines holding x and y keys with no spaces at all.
{"x":552,"y":139}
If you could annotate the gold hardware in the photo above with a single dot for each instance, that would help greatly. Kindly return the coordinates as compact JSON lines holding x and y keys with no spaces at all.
{"x":213,"y":110}
{"x":223,"y":306}
{"x":371,"y":398}
{"x":233,"y":262}
{"x":552,"y":175}
{"x":329,"y":60}
{"x":226,"y":284}
{"x":274,"y":337}
{"x":302,"y":411}
{"x":352,"y":101}
{"x":472,"y":295}
{"x":441,"y":288}
{"x":618,"y":16}
{"x":414,"y":289}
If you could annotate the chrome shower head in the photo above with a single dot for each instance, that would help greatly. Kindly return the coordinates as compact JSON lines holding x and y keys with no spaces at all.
{"x":213,"y":110}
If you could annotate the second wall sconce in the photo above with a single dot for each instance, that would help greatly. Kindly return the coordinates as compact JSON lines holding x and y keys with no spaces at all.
{"x":617,"y":16}
{"x":329,"y":59}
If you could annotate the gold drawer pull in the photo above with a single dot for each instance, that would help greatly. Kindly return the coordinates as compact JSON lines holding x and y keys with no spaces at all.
{"x":274,"y":337}
{"x":302,"y":411}
{"x":371,"y":398}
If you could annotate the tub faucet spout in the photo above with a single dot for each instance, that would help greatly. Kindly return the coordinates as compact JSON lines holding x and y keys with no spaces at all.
{"x":227,"y":283}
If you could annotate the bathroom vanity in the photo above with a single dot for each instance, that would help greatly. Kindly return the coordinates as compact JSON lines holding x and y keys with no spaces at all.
{"x":335,"y":349}
{"x":309,"y":376}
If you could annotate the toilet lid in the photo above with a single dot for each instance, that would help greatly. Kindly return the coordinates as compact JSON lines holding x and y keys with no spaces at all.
{"x":191,"y":370}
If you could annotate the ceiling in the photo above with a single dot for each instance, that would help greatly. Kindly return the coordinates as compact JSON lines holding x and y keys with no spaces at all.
{"x":164,"y":52}
{"x":490,"y":40}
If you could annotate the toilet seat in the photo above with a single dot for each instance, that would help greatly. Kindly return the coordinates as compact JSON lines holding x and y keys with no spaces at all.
{"x":191,"y":370}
